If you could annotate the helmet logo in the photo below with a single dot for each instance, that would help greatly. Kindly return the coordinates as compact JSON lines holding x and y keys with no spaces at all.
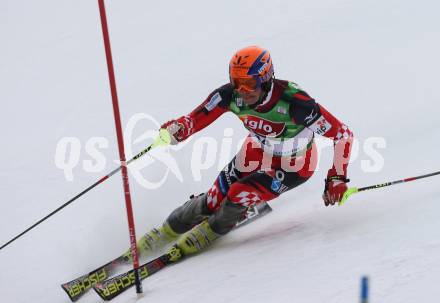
{"x":261,"y":69}
{"x":238,"y":62}
{"x":259,"y":65}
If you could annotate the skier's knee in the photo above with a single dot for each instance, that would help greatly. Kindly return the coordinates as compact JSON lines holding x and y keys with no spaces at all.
{"x":192,"y":212}
{"x":227,"y":217}
{"x":244,"y":194}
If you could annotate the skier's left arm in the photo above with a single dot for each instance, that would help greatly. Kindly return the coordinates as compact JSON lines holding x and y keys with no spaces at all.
{"x":317,"y":118}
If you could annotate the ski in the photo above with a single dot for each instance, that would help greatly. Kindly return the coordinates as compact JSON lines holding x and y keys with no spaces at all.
{"x":79,"y":286}
{"x":112,"y":287}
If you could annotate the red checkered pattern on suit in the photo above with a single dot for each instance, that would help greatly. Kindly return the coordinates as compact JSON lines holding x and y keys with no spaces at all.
{"x":343,"y":132}
{"x":246,"y":198}
{"x":214,"y":197}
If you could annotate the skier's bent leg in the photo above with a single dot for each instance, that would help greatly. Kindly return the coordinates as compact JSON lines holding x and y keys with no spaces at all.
{"x":189,"y":214}
{"x":250,"y":190}
{"x":218,"y":224}
{"x":232,"y":194}
{"x":224,"y":220}
{"x":181,"y":220}
{"x":241,"y":195}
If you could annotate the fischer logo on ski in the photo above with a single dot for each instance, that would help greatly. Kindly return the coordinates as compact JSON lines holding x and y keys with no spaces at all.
{"x":108,"y":288}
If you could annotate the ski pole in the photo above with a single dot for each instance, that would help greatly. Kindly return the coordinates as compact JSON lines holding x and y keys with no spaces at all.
{"x":354,"y":190}
{"x":163,"y":138}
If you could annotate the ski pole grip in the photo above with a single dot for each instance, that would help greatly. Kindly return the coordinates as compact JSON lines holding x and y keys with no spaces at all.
{"x":347,"y":194}
{"x":164,"y":138}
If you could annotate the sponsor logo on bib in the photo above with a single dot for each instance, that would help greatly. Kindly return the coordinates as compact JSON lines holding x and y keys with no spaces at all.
{"x":262,"y":126}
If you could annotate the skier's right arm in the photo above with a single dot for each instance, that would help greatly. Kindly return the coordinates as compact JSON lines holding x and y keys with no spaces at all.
{"x":213,"y":107}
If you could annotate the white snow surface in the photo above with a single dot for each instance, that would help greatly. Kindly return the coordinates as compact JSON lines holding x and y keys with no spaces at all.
{"x":374,"y":64}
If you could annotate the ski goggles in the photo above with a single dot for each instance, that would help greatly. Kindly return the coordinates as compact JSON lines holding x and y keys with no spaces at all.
{"x":246,"y":85}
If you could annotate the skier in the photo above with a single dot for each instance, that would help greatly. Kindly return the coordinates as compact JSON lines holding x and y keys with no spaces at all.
{"x":278,"y":155}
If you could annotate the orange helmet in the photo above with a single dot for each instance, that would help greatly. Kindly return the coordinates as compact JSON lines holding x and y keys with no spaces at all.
{"x":250,"y":68}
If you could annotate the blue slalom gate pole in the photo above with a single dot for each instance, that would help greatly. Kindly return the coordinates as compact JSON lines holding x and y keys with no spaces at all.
{"x":364,"y":289}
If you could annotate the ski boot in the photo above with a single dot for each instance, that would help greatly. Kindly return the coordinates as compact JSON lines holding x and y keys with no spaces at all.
{"x":197,"y":239}
{"x":193,"y":241}
{"x":203,"y":234}
{"x":153,"y":241}
{"x":181,"y":220}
